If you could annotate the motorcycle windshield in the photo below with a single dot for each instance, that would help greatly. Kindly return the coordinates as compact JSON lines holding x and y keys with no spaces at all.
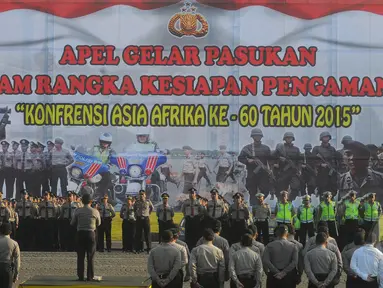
{"x":139,"y":147}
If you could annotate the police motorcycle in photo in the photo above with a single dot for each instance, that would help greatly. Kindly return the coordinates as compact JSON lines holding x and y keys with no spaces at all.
{"x":137,"y":170}
{"x":86,"y":171}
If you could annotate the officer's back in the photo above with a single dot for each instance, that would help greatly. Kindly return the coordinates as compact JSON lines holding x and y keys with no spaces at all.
{"x":9,"y":257}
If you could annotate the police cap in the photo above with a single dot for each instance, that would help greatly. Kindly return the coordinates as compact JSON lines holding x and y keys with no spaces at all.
{"x":142,"y":192}
{"x":4,"y":143}
{"x":13,"y":200}
{"x":370,"y":195}
{"x":165,"y":196}
{"x":260,"y":195}
{"x":192,"y":190}
{"x":129,"y":198}
{"x":34,"y":145}
{"x":214,"y":191}
{"x":284,"y":192}
{"x":307,"y":146}
{"x":186,"y":147}
{"x":50,"y":143}
{"x":41,"y":145}
{"x":358,"y":149}
{"x":15,"y":143}
{"x":222,"y":147}
{"x":59,"y":140}
{"x":24,"y":191}
{"x":306,"y":198}
{"x":352,"y":193}
{"x":105,"y":196}
{"x":327,"y":194}
{"x":24,"y":142}
{"x":238,"y":195}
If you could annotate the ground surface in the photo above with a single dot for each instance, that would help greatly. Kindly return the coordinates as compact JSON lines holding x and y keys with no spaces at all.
{"x":115,"y":263}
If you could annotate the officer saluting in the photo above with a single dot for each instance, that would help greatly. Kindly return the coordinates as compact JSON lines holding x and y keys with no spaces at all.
{"x":215,"y":207}
{"x":224,"y":164}
{"x":238,"y":214}
{"x":107,"y":214}
{"x":192,"y":211}
{"x":165,"y":214}
{"x":284,"y":210}
{"x":370,"y":211}
{"x":24,"y":167}
{"x":306,"y":215}
{"x":326,"y":213}
{"x":128,"y":225}
{"x":143,"y":207}
{"x":261,"y":215}
{"x":61,"y":158}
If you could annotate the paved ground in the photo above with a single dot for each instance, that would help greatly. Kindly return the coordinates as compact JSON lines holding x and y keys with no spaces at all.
{"x":115,"y":263}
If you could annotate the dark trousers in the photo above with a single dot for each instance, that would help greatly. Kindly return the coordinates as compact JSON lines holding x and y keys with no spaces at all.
{"x":188,"y":182}
{"x":208,"y":280}
{"x":332,"y":229}
{"x":236,"y":231}
{"x":8,"y":175}
{"x":13,"y":227}
{"x":26,"y":234}
{"x":105,"y":230}
{"x":163,"y":226}
{"x":36,"y":183}
{"x":177,"y":282}
{"x":46,"y":180}
{"x":369,"y":226}
{"x":67,"y":235}
{"x":289,"y":281}
{"x":261,"y":182}
{"x":263,"y":230}
{"x":247,"y":281}
{"x":202,"y":174}
{"x":349,"y":229}
{"x":59,"y":172}
{"x":143,"y":226}
{"x":103,"y":185}
{"x":320,"y":278}
{"x":221,"y":174}
{"x":23,"y":177}
{"x":306,"y":229}
{"x":86,"y":245}
{"x":6,"y":275}
{"x":326,"y":182}
{"x":128,"y":234}
{"x":192,"y":231}
{"x":46,"y":236}
{"x":360,"y":283}
{"x":290,"y":179}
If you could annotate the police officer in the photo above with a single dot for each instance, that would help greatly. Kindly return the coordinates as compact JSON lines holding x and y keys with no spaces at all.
{"x":67,"y":231}
{"x":165,"y":214}
{"x":245,"y":266}
{"x":347,"y":256}
{"x":27,"y":212}
{"x":192,"y":211}
{"x":207,"y":264}
{"x":239,"y":214}
{"x":215,"y":207}
{"x":189,"y":171}
{"x":103,"y":152}
{"x":166,"y":170}
{"x":370,"y":211}
{"x":256,"y":156}
{"x":38,"y":167}
{"x":327,"y":175}
{"x":308,"y":170}
{"x":61,"y":158}
{"x":224,"y":164}
{"x":237,"y":246}
{"x":143,"y":207}
{"x":24,"y":168}
{"x":348,"y":209}
{"x":342,"y":162}
{"x":320,"y":264}
{"x":47,"y":174}
{"x":261,"y":217}
{"x":5,"y":213}
{"x":289,"y":165}
{"x":128,"y":225}
{"x":165,"y":264}
{"x":360,"y":178}
{"x":176,"y":234}
{"x":281,"y":259}
{"x":284,"y":210}
{"x":107,"y":214}
{"x":203,"y":168}
{"x":326,"y":213}
{"x":48,"y":213}
{"x":306,"y":215}
{"x":7,"y":173}
{"x":14,"y":218}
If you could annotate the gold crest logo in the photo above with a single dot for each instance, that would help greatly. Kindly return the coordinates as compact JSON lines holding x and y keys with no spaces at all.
{"x":188,"y":22}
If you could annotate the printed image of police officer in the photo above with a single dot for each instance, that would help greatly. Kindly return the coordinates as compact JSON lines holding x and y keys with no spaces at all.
{"x":203,"y":169}
{"x":342,"y":162}
{"x":256,"y":157}
{"x":289,"y":165}
{"x":189,"y":170}
{"x":309,"y":172}
{"x":166,"y":170}
{"x":7,"y":172}
{"x":38,"y":167}
{"x":24,"y":162}
{"x":61,"y":158}
{"x":47,"y":173}
{"x":224,"y":164}
{"x":327,"y":175}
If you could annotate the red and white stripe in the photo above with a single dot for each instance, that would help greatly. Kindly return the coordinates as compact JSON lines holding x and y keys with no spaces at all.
{"x":92,"y":170}
{"x":151,"y":163}
{"x":121,"y":161}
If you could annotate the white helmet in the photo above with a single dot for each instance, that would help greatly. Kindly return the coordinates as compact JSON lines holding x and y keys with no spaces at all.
{"x":106,"y":137}
{"x":143,"y":131}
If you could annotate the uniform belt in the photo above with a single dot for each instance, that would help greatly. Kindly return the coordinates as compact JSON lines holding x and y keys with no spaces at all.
{"x":246,"y":276}
{"x":143,"y":217}
{"x":163,"y":276}
{"x":260,"y":220}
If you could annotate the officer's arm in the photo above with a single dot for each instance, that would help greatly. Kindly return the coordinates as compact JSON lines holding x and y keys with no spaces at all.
{"x":299,"y":213}
{"x":151,"y":207}
{"x":247,"y":213}
{"x":158,"y":211}
{"x":17,"y":219}
{"x":361,"y":210}
{"x":267,"y":261}
{"x":193,"y":265}
{"x":112,"y":211}
{"x":294,"y":261}
{"x":171,"y":212}
{"x":98,"y":218}
{"x":319,"y":212}
{"x":74,"y":219}
{"x":230,"y":162}
{"x":177,"y":266}
{"x":183,"y":208}
{"x":69,"y":158}
{"x":293,"y":211}
{"x":268,"y":211}
{"x":221,"y":267}
{"x":379,"y":209}
{"x":61,"y":212}
{"x":122,"y":211}
{"x":309,"y":272}
{"x":242,"y":157}
{"x":151,"y":270}
{"x":341,"y":209}
{"x":276,"y":209}
{"x":196,"y":171}
{"x":7,"y":215}
{"x":232,"y":272}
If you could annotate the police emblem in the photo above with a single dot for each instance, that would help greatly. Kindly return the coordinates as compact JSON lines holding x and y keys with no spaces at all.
{"x":188,"y":22}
